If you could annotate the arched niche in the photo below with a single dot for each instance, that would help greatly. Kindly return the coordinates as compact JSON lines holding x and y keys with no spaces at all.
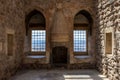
{"x":82,"y":33}
{"x":59,"y":55}
{"x":35,"y":23}
{"x":83,"y":18}
{"x":34,"y":19}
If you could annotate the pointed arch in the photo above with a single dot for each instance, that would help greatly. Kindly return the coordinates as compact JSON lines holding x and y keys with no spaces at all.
{"x":88,"y":16}
{"x":31,"y":15}
{"x":83,"y":23}
{"x":36,"y":31}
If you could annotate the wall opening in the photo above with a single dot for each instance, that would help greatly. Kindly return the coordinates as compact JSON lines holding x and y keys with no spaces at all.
{"x":59,"y":55}
{"x":80,"y":40}
{"x":108,"y":47}
{"x":38,"y":40}
{"x":10,"y":44}
{"x":82,"y":33}
{"x":35,"y":33}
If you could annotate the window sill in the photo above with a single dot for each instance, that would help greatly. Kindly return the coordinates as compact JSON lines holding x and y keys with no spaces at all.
{"x":109,"y":55}
{"x":82,"y":57}
{"x":36,"y":56}
{"x":35,"y":53}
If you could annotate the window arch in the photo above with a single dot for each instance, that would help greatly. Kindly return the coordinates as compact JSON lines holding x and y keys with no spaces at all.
{"x":82,"y":31}
{"x":36,"y":31}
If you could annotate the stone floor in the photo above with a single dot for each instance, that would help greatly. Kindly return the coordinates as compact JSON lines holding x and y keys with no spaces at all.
{"x":58,"y":75}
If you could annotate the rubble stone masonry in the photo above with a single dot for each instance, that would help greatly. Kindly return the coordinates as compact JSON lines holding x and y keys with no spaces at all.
{"x":108,"y":21}
{"x":11,"y":22}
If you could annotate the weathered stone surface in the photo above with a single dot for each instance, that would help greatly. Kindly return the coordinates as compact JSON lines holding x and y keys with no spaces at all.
{"x":11,"y":18}
{"x":108,"y":17}
{"x":59,"y":17}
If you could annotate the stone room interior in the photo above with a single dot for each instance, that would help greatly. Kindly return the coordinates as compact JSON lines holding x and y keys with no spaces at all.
{"x":59,"y":39}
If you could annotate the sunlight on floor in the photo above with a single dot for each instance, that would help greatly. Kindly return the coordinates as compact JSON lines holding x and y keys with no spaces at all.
{"x":76,"y":77}
{"x":84,"y":77}
{"x":58,"y":75}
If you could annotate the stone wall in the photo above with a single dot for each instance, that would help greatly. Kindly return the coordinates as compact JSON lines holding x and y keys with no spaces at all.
{"x":108,"y":19}
{"x":11,"y":22}
{"x":59,"y":15}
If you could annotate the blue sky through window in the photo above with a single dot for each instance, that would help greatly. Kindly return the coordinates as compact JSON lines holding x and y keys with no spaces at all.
{"x":38,"y":40}
{"x":80,"y":41}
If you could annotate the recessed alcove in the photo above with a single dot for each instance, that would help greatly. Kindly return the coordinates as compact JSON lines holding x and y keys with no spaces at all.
{"x":59,"y":55}
{"x":108,"y":47}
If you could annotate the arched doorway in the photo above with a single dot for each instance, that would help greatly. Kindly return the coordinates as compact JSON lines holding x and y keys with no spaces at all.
{"x":59,"y":55}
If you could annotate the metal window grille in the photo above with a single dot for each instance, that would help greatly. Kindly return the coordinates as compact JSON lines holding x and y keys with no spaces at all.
{"x":38,"y":40}
{"x":80,"y":41}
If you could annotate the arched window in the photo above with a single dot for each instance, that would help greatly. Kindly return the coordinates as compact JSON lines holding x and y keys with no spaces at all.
{"x":36,"y":31}
{"x":82,"y":31}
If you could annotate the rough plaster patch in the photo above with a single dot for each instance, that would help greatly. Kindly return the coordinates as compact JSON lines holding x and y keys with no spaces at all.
{"x":10,"y":31}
